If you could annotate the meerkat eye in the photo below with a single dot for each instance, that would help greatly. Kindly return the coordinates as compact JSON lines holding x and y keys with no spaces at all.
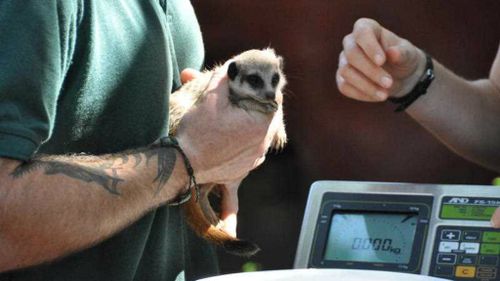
{"x":255,"y":81}
{"x":275,"y":80}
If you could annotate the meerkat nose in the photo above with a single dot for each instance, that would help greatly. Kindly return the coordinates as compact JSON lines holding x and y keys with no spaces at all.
{"x":270,"y":95}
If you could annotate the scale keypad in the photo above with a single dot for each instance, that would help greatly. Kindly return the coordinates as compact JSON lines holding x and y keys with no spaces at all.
{"x":466,"y":253}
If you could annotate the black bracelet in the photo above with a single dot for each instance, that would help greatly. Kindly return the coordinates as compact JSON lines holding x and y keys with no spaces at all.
{"x":183,"y":198}
{"x":420,"y":88}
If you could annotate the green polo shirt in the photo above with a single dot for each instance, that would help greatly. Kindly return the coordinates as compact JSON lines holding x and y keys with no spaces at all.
{"x":94,"y":76}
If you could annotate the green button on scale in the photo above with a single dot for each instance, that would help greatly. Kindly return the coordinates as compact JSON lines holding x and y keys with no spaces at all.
{"x":491,"y":237}
{"x":490,"y":249}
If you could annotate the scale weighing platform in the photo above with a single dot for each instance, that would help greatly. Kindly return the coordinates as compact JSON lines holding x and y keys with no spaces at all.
{"x":436,"y":230}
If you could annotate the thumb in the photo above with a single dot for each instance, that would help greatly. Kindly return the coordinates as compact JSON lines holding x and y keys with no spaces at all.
{"x":495,"y":220}
{"x":398,"y":55}
{"x":230,"y":208}
{"x":189,"y":74}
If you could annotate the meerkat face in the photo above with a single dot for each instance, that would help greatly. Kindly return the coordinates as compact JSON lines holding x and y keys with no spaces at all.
{"x":257,"y":75}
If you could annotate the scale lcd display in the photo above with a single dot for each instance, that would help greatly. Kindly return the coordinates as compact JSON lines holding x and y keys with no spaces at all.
{"x":371,"y":237}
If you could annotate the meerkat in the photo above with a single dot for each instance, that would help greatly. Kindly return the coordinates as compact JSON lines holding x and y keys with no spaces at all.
{"x":256,"y":82}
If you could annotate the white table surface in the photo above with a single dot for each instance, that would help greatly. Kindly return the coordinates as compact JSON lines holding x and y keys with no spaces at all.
{"x":322,"y":275}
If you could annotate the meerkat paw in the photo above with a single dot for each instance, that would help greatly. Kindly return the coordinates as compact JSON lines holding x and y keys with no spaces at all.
{"x":280,"y":139}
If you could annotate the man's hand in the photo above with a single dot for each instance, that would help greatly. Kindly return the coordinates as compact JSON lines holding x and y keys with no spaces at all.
{"x":376,"y":64}
{"x":224,"y":142}
{"x":495,"y":220}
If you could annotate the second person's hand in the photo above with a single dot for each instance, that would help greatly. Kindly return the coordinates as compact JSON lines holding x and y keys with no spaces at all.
{"x":376,"y":64}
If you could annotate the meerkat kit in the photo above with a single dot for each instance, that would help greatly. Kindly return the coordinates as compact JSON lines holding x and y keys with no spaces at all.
{"x":256,"y":82}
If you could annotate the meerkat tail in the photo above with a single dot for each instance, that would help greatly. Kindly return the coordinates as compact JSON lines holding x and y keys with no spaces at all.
{"x":202,"y":227}
{"x":242,"y":248}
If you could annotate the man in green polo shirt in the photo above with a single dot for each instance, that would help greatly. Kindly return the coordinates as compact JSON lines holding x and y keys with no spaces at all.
{"x":89,"y":81}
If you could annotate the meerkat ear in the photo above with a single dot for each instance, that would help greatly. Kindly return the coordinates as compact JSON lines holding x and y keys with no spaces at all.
{"x":232,"y":70}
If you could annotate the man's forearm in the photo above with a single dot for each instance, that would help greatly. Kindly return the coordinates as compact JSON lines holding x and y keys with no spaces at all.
{"x":52,"y":206}
{"x":462,"y":114}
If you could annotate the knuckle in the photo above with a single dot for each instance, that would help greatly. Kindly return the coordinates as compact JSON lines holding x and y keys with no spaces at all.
{"x":342,"y":60}
{"x":363,"y":23}
{"x":404,"y":45}
{"x":343,"y":87}
{"x":359,"y":22}
{"x":361,"y":30}
{"x":341,"y":57}
{"x":338,"y":78}
{"x":345,"y":71}
{"x":348,"y":41}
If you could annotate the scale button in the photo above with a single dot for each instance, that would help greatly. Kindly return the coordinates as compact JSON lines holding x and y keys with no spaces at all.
{"x":447,"y":247}
{"x":490,"y":249}
{"x":444,"y":270}
{"x":465,"y":271}
{"x":450,"y":235}
{"x":467,"y":259}
{"x":488,"y":260}
{"x":469,"y":248}
{"x":486,"y":269}
{"x":446,"y":258}
{"x":486,"y":272}
{"x":471,"y":235}
{"x":491,"y":237}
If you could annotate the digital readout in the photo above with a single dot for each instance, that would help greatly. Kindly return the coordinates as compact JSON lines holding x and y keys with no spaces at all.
{"x":468,"y":208}
{"x":371,"y":237}
{"x":467,"y":212}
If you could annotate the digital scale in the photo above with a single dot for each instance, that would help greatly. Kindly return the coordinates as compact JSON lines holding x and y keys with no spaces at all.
{"x":436,"y":230}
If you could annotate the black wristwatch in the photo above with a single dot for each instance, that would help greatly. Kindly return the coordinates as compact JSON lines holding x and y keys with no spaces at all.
{"x":420,"y":88}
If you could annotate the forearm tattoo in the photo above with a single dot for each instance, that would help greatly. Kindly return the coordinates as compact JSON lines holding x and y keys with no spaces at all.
{"x":166,"y":163}
{"x":104,"y":174}
{"x":71,"y":170}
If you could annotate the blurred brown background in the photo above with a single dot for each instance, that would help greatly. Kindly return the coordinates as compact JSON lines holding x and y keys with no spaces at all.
{"x":332,"y":137}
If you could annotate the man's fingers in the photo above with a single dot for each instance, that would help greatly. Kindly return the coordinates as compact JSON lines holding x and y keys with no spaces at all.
{"x":230,"y":208}
{"x":353,"y":77}
{"x":189,"y":74}
{"x":495,"y":220}
{"x":351,"y":91}
{"x":355,"y":57}
{"x":367,"y":36}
